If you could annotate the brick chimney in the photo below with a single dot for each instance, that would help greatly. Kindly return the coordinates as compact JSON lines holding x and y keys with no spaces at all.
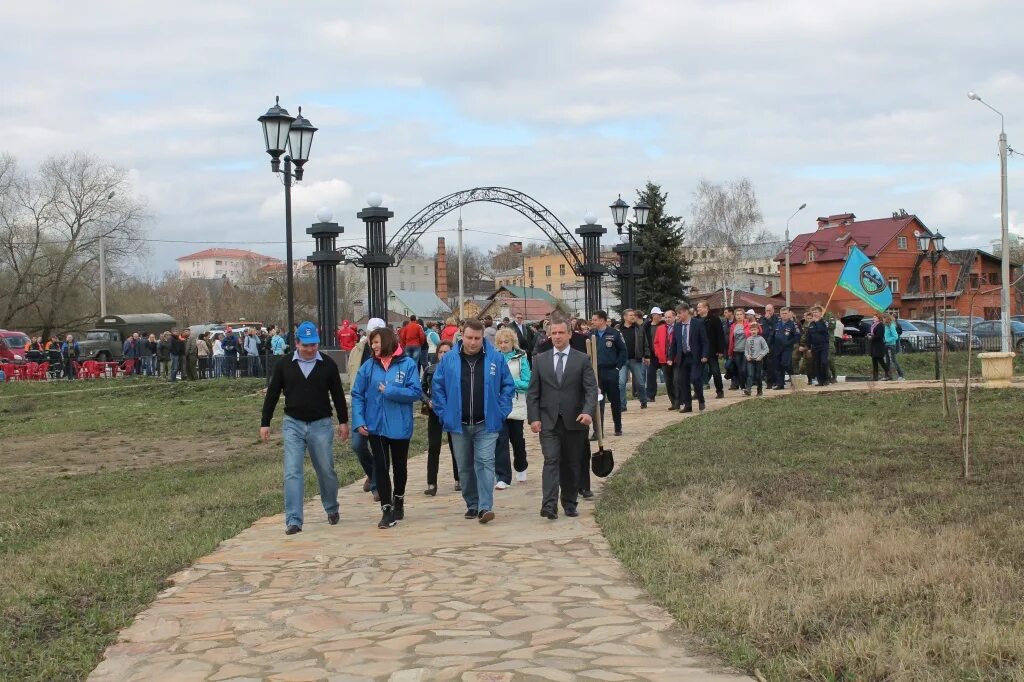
{"x":441,"y":271}
{"x":836,"y":220}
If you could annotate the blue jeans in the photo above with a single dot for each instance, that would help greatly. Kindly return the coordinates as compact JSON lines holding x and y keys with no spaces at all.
{"x":474,"y":451}
{"x":361,"y":446}
{"x":175,"y":367}
{"x":892,"y":350}
{"x":639,"y":371}
{"x":318,"y":438}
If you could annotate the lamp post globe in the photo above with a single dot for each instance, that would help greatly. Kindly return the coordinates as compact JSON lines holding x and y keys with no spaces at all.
{"x":619,"y":209}
{"x":300,"y":139}
{"x":642,"y":211}
{"x":276,"y":124}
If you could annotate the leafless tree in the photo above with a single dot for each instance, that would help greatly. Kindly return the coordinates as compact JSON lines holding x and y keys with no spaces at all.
{"x":51,"y":223}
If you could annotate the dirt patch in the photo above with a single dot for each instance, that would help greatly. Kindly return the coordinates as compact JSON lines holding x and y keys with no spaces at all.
{"x":86,"y":453}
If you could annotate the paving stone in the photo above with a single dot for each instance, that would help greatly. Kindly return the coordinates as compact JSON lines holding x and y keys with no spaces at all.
{"x":440,"y":600}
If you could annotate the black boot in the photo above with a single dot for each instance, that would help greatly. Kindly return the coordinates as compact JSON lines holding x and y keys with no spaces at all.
{"x":399,"y":507}
{"x":388,"y":518}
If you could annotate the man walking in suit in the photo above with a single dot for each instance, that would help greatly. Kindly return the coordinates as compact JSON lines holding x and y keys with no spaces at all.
{"x":688,"y":355}
{"x":525,"y":334}
{"x":559,"y":405}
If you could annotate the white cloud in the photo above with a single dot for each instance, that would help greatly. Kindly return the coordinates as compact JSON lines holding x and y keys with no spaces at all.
{"x":308,"y":198}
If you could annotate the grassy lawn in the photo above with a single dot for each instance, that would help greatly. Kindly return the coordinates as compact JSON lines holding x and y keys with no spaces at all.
{"x":921,"y":365}
{"x":811,"y":547}
{"x":105,"y":493}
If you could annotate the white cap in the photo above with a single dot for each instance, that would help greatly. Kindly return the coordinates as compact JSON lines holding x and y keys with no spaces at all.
{"x":374,"y":323}
{"x":656,"y":311}
{"x":750,"y":311}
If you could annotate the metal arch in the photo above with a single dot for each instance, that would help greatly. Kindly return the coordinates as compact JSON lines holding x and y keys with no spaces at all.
{"x":553,"y":228}
{"x":352,"y":253}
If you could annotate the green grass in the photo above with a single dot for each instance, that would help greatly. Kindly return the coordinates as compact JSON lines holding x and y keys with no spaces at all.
{"x":921,"y":365}
{"x":82,"y":554}
{"x":830,"y":537}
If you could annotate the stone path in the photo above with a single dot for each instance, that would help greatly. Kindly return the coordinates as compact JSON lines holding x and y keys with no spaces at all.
{"x":436,"y":598}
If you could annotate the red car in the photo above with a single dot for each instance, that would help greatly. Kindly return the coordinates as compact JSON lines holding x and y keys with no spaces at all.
{"x":12,"y":346}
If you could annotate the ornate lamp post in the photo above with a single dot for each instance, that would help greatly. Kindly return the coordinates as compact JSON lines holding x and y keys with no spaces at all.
{"x":628,"y":272}
{"x":377,"y":260}
{"x":933,"y":255}
{"x":326,"y":259}
{"x":592,"y":269}
{"x":294,"y":135}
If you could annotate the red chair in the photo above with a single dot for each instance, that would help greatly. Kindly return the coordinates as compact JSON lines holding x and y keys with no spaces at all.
{"x":126,"y":367}
{"x":42,"y":372}
{"x":90,"y":370}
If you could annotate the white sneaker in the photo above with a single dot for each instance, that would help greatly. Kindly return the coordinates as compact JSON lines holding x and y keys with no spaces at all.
{"x":521,"y":476}
{"x":500,"y":485}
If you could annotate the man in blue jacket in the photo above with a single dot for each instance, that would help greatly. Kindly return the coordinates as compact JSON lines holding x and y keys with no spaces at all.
{"x":783,"y":339}
{"x":611,"y":357}
{"x":472,"y":395}
{"x":819,"y":337}
{"x":688,"y":354}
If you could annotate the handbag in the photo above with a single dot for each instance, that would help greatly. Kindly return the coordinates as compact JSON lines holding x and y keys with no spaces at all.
{"x":518,"y":407}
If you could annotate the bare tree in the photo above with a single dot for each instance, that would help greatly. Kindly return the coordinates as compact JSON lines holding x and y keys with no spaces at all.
{"x":726,"y":218}
{"x":51,"y":224}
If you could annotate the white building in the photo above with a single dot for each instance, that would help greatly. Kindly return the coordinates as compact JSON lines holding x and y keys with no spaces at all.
{"x":235,"y":264}
{"x":413,"y":274}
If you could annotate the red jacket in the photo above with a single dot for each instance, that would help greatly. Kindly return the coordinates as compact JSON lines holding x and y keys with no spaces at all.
{"x":732,"y":339}
{"x":661,"y":343}
{"x":411,"y":335}
{"x":347,"y":338}
{"x":449,"y":332}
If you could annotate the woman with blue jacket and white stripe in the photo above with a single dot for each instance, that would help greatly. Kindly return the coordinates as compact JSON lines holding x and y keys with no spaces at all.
{"x":385,"y":390}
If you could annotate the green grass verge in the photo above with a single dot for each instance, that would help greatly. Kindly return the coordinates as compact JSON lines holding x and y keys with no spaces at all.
{"x":830,"y":537}
{"x":921,"y":365}
{"x":81,"y":555}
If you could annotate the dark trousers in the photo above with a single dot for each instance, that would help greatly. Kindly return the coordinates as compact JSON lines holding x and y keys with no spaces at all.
{"x":879,"y":363}
{"x":389,"y":454}
{"x":739,"y":370}
{"x":768,"y":368}
{"x":191,"y":371}
{"x":652,"y":379}
{"x":819,"y":356}
{"x":511,"y":434}
{"x":608,"y":381}
{"x":230,"y":365}
{"x":713,"y":371}
{"x":754,"y":369}
{"x":783,"y":364}
{"x":561,"y":447}
{"x":689,"y":380}
{"x":434,"y":435}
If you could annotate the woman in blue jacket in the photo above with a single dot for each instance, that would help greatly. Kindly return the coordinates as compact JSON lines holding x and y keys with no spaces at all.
{"x":385,"y":390}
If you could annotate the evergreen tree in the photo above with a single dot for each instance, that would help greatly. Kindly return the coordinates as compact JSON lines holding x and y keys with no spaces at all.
{"x":660,"y":254}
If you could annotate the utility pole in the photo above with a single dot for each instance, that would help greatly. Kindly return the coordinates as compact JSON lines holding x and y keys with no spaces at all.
{"x":462,"y":274}
{"x":1007,"y":343}
{"x":103,"y":278}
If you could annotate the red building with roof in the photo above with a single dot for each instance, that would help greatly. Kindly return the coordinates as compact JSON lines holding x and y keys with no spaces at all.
{"x":818,"y":257}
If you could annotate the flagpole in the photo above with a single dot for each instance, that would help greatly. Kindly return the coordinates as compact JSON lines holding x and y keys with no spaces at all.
{"x":831,"y":295}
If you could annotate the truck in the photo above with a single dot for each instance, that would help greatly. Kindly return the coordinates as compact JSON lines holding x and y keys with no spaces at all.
{"x":105,"y":342}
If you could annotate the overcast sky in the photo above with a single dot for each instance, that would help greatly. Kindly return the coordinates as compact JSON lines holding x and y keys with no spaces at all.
{"x":849,"y":106}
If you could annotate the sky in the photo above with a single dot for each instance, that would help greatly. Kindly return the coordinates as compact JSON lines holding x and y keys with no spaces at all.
{"x":848,"y":106}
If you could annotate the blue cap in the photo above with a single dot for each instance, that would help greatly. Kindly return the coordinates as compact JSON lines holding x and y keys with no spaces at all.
{"x":307,"y":333}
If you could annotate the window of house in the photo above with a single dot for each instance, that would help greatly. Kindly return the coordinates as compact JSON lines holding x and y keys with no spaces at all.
{"x":926,"y":283}
{"x":401,"y":285}
{"x":547,"y":270}
{"x":401,"y":268}
{"x":412,"y":285}
{"x":811,"y":255}
{"x":548,"y":287}
{"x":901,"y":243}
{"x":974,"y":281}
{"x":760,"y":271}
{"x":530,"y":272}
{"x":561,"y":270}
{"x":944,"y":281}
{"x":219,"y":262}
{"x":913,"y":313}
{"x":426,"y":269}
{"x":994,"y":278}
{"x":894,"y":285}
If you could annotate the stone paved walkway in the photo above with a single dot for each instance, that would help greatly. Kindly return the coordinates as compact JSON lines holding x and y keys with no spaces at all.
{"x":436,"y":598}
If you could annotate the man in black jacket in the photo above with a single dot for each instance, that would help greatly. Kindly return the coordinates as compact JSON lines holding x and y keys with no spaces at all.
{"x":768,"y":323}
{"x":638,"y":358}
{"x":717,"y":345}
{"x":309,"y":381}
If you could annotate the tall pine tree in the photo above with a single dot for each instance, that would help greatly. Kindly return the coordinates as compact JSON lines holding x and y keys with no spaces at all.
{"x":660,"y":241}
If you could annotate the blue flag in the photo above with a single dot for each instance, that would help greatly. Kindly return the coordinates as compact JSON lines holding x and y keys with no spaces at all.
{"x":865,"y":281}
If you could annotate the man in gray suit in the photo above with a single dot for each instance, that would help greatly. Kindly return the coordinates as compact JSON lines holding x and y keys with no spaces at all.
{"x":559,"y":405}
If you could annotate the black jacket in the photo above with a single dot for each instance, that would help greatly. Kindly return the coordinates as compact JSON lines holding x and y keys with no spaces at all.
{"x":638,"y":344}
{"x":717,"y":344}
{"x":305,"y":398}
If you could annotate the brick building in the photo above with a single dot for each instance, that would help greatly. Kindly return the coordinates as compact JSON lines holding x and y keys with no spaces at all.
{"x":818,"y":257}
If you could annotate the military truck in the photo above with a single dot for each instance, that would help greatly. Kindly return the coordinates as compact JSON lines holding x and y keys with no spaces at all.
{"x":105,"y":342}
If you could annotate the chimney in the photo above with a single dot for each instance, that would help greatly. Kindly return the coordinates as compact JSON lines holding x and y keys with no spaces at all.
{"x":515,"y":247}
{"x":836,"y":220}
{"x":441,"y":271}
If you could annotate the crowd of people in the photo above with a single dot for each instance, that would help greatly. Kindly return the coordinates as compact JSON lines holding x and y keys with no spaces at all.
{"x":481,"y":385}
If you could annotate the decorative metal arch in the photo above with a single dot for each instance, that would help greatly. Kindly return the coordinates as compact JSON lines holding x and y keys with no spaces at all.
{"x":407,"y":235}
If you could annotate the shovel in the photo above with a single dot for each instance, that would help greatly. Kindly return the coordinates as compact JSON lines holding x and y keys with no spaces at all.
{"x":601,"y":462}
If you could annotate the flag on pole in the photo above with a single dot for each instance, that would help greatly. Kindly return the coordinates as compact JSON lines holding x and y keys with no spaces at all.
{"x":863,"y":279}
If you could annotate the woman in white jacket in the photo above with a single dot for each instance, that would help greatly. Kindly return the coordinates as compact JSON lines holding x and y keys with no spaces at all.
{"x":512,"y":431}
{"x":218,"y":355}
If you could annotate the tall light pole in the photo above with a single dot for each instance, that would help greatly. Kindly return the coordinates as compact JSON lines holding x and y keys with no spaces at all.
{"x":1007,"y":345}
{"x":933,"y":256}
{"x":103,"y":269}
{"x":294,"y":134}
{"x":628,"y":271}
{"x":789,"y":279}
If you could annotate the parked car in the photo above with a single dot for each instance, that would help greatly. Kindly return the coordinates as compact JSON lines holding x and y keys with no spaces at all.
{"x":12,"y":346}
{"x":956,"y":339}
{"x":991,"y":332}
{"x":962,"y":322}
{"x":856,"y":328}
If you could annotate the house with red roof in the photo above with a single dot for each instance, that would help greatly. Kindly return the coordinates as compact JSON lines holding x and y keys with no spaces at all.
{"x":892,"y":244}
{"x":218,"y":263}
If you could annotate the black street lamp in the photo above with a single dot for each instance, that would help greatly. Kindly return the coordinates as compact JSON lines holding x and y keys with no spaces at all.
{"x":628,"y":272}
{"x":933,"y":255}
{"x":282,"y":133}
{"x":592,"y":269}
